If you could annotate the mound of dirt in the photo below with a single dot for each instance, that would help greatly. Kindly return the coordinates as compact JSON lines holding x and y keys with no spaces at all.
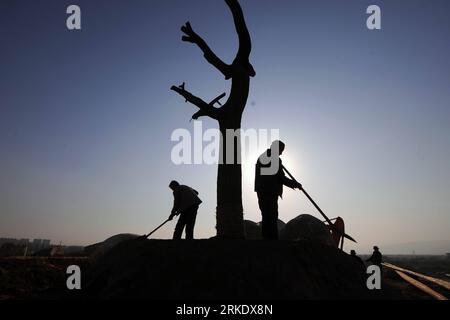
{"x":253,"y":230}
{"x":224,"y":269}
{"x":307,"y":227}
{"x":95,"y":251}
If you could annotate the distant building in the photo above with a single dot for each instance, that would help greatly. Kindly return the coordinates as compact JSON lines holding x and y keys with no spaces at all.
{"x":9,"y":249}
{"x":36,"y":245}
{"x":22,"y":242}
{"x":16,"y":242}
{"x":6,"y":240}
{"x":29,"y":247}
{"x":45,"y":244}
{"x":40,"y":244}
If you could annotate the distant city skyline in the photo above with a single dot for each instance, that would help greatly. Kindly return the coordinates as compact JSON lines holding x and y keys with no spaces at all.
{"x":30,"y":246}
{"x":87,"y":116}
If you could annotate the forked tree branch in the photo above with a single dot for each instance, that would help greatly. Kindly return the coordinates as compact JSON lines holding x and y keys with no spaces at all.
{"x":209,"y":55}
{"x":205,"y":108}
{"x":245,"y":43}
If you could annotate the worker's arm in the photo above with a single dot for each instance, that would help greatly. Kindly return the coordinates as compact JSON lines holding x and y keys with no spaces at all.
{"x":176,"y":205}
{"x":286,"y":181}
{"x":291,"y":183}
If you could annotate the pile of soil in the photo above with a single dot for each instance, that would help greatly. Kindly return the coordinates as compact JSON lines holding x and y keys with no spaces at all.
{"x":307,"y":227}
{"x":225,"y":269}
{"x":32,"y":278}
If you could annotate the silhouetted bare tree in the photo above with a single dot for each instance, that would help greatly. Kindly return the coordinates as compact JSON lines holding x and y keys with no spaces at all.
{"x":229,"y":179}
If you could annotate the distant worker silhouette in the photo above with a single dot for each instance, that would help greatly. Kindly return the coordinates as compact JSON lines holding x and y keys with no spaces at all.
{"x":269,"y":181}
{"x":185,"y":204}
{"x":358,"y":259}
{"x":377,"y":257}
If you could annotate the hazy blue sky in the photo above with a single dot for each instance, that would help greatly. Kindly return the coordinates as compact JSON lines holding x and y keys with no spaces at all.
{"x":86,"y":116}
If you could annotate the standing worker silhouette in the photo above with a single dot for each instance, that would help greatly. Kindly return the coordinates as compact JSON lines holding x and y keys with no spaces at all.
{"x":269,"y":181}
{"x":185,"y":204}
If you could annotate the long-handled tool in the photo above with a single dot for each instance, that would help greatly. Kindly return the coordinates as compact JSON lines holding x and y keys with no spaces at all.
{"x":317,"y":207}
{"x":148,"y":235}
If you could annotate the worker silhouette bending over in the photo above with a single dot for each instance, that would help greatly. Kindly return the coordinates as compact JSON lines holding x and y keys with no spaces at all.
{"x":269,"y":181}
{"x":185,"y":204}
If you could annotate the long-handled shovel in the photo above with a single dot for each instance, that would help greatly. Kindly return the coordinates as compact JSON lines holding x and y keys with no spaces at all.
{"x":317,"y":207}
{"x":148,"y":235}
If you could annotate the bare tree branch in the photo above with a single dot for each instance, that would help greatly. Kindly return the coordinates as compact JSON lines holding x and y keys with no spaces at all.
{"x":205,"y":108}
{"x":245,"y":43}
{"x":198,"y":114}
{"x":217,"y":100}
{"x":209,"y":55}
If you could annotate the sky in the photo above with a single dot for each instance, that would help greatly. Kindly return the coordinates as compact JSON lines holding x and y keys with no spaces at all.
{"x":86,"y":117}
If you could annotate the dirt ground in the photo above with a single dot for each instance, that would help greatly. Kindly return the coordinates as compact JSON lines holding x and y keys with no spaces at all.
{"x":35,"y":277}
{"x":44,"y":278}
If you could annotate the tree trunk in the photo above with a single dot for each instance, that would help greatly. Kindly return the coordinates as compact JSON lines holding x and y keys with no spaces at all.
{"x":229,"y":211}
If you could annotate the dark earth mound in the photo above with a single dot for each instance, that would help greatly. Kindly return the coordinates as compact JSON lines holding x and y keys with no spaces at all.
{"x":97,"y":250}
{"x":253,"y":230}
{"x":307,"y":227}
{"x":35,"y":278}
{"x":225,"y":269}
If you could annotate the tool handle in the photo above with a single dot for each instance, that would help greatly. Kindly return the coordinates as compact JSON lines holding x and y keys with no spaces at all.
{"x":309,"y":197}
{"x":317,"y":207}
{"x":148,"y":235}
